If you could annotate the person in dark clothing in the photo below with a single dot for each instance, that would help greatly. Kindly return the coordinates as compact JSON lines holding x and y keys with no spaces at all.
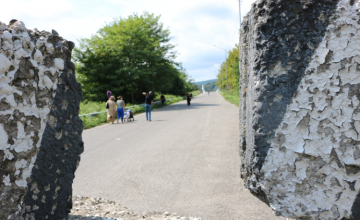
{"x":148,"y":102}
{"x":190,"y":95}
{"x":188,"y":99}
{"x":162,"y":99}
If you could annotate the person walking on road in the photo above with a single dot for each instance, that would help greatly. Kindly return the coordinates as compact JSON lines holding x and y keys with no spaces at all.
{"x":120,"y":109}
{"x":162,"y":99}
{"x":188,"y":99}
{"x":148,"y":102}
{"x":111,"y":110}
{"x":208,"y":92}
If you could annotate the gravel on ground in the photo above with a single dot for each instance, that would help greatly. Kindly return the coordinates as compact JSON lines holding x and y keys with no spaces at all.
{"x":85,"y":208}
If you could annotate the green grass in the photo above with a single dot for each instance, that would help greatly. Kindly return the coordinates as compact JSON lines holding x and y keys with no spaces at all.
{"x":95,"y":120}
{"x":90,"y":107}
{"x":195,"y":93}
{"x":231,"y":96}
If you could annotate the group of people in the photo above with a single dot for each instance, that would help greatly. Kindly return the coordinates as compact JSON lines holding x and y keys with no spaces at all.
{"x":114,"y":108}
{"x":119,"y":106}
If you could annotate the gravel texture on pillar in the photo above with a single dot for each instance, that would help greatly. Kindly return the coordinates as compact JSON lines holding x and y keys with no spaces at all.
{"x":40,"y":131}
{"x":299,"y":107}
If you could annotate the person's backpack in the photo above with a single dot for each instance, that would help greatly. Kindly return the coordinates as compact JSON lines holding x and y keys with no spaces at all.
{"x":107,"y":105}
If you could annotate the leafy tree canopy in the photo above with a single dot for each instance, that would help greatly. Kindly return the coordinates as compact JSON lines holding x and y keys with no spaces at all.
{"x":233,"y":75}
{"x":129,"y":56}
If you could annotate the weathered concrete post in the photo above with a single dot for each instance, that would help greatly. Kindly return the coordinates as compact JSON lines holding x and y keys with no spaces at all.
{"x":299,"y":110}
{"x":40,"y":131}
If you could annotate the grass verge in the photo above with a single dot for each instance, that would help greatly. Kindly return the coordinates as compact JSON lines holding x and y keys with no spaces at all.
{"x":98,"y":119}
{"x":231,"y":96}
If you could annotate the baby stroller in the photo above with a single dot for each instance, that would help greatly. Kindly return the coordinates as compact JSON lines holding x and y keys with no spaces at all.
{"x":128,"y":115}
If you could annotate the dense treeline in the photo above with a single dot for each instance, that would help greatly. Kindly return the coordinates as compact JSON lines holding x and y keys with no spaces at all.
{"x":233,"y":75}
{"x":209,"y":86}
{"x":130,"y":56}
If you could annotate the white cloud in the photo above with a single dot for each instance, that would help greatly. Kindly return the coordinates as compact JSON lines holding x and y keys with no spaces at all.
{"x":196,"y":25}
{"x":36,"y":11}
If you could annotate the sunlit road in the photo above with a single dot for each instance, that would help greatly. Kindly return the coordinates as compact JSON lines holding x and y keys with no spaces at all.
{"x":185,"y":161}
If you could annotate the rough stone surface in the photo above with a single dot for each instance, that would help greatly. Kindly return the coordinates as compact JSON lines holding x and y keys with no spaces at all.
{"x":299,"y":108}
{"x":40,"y":131}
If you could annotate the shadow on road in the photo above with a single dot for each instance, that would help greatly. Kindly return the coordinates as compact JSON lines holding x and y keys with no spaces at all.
{"x":125,"y":122}
{"x":177,"y":107}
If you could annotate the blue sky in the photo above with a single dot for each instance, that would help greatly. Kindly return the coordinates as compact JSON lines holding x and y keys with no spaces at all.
{"x":195,"y":25}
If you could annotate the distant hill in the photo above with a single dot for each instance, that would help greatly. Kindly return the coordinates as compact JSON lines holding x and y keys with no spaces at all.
{"x":208,"y":84}
{"x":205,"y":82}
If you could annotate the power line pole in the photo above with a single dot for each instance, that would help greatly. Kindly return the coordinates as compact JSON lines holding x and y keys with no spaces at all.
{"x":239,"y":39}
{"x":226,"y":72}
{"x":240,"y":12}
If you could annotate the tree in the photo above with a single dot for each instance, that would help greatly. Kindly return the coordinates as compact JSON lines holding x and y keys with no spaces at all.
{"x":182,"y":83}
{"x":232,"y":70}
{"x":210,"y":86}
{"x":128,"y":56}
{"x":194,"y":87}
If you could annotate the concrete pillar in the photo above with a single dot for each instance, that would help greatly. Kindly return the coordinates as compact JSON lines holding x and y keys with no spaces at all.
{"x":299,"y":107}
{"x":40,"y":131}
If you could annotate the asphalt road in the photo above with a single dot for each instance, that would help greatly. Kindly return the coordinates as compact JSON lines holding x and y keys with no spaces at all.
{"x":185,"y":161}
